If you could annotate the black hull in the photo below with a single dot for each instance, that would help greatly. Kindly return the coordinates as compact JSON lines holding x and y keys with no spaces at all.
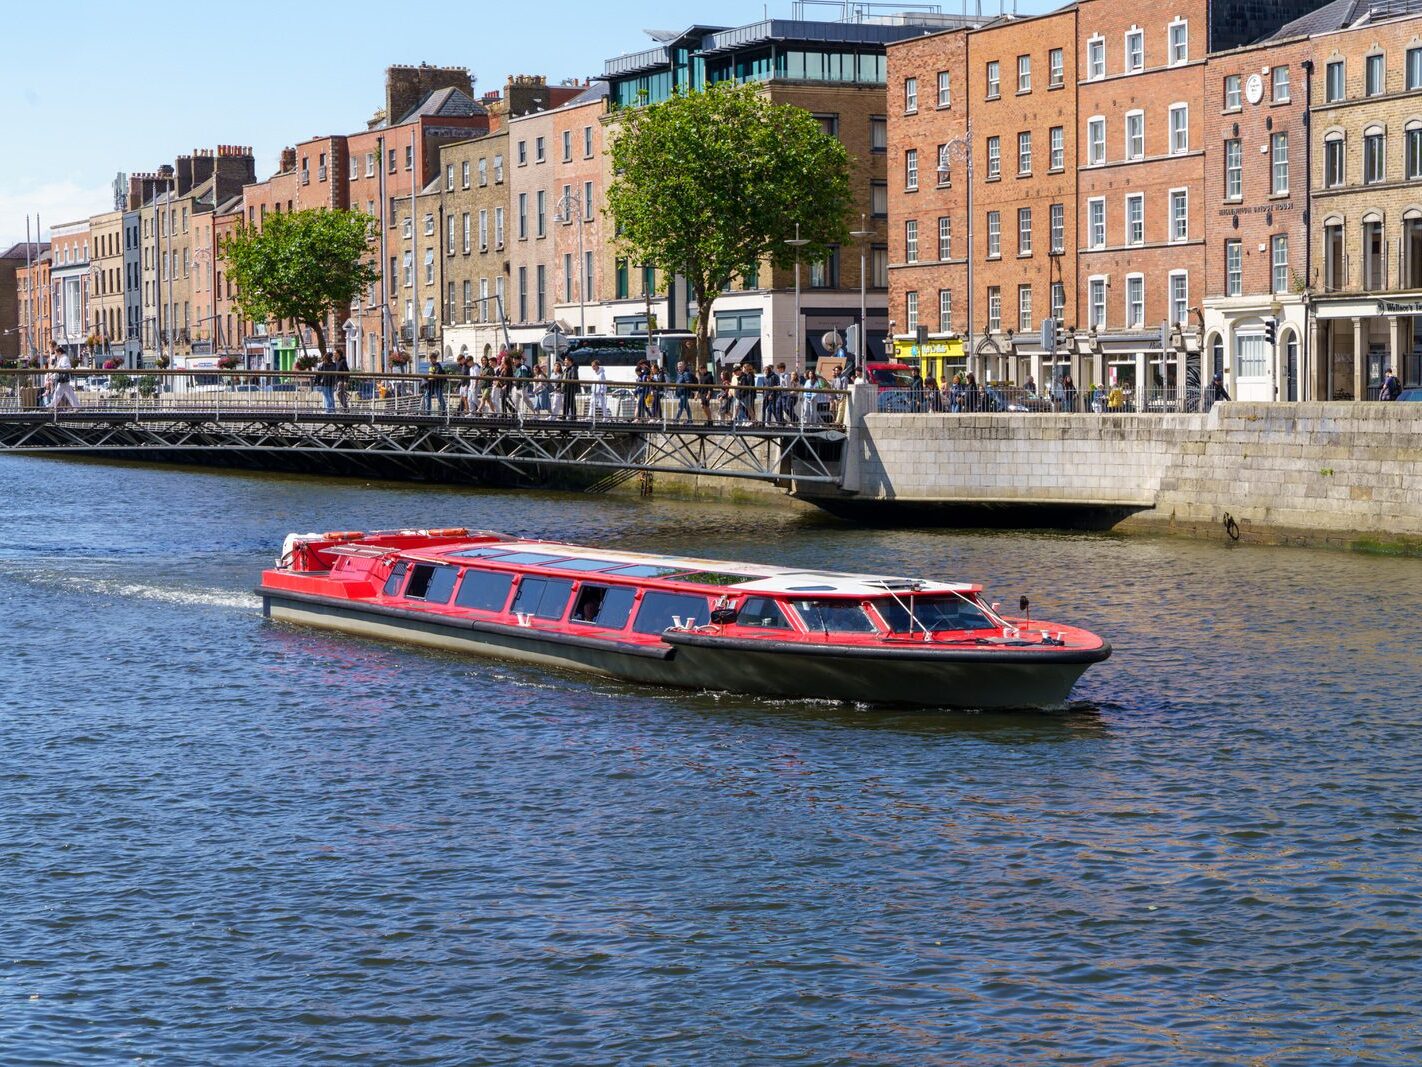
{"x":902,"y":677}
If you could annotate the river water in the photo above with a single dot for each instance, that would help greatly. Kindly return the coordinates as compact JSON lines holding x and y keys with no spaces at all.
{"x":224,"y":839}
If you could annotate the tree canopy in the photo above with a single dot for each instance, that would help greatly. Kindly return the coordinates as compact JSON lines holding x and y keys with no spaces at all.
{"x":302,"y":265}
{"x":711,"y":184}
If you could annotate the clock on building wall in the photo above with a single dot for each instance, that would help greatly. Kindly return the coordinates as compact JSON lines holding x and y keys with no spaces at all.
{"x":1254,"y":89}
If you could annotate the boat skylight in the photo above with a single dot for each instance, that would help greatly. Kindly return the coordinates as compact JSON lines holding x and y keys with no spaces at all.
{"x":533,"y":558}
{"x":481,"y":553}
{"x":646,"y":570}
{"x":584,"y":564}
{"x":714,"y":578}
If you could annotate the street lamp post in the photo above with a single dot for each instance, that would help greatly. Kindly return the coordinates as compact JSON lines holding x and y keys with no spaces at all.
{"x":962,"y":147}
{"x":862,"y":235}
{"x":797,"y":242}
{"x":562,"y":214}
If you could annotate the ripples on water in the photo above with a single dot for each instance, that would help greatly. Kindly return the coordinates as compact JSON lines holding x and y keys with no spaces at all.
{"x":225,"y":839}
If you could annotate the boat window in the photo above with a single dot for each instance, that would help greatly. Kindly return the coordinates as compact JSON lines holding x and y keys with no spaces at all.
{"x":603,"y":605}
{"x":484,"y":590}
{"x":762,"y":611}
{"x":482,"y":553}
{"x":933,"y":613}
{"x":533,"y":558}
{"x":834,"y":616}
{"x":714,"y":578}
{"x":431,"y":583}
{"x":544,"y":597}
{"x":658,"y":609}
{"x":583,"y":564}
{"x":397,"y":577}
{"x":646,"y":570}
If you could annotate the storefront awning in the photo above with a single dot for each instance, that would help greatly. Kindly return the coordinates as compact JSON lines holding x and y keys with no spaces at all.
{"x":734,"y":349}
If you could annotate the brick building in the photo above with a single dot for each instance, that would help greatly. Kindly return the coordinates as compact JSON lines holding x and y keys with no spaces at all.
{"x":16,"y":338}
{"x":36,"y":302}
{"x":106,"y":306}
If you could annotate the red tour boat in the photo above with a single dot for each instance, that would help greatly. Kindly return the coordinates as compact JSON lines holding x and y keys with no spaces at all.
{"x":672,"y":620}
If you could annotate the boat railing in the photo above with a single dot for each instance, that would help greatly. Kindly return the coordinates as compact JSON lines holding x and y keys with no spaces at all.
{"x":236,"y":392}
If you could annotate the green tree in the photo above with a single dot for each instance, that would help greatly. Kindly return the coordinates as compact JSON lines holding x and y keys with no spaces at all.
{"x":303,"y":266}
{"x":710,"y":184}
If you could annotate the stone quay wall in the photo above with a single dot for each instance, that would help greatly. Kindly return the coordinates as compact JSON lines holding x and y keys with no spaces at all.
{"x":1329,"y":472}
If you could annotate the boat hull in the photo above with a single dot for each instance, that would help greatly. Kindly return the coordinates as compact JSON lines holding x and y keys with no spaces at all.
{"x":902,"y":677}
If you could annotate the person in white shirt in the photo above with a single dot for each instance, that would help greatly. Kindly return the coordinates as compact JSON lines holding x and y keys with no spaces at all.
{"x":63,"y":382}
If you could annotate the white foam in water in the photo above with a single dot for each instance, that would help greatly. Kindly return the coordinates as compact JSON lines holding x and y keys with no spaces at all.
{"x":216,"y":598}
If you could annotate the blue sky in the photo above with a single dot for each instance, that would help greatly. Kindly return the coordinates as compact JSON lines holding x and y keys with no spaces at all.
{"x":91,"y":88}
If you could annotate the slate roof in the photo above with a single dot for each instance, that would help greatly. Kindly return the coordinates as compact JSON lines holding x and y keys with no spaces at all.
{"x":446,"y":103}
{"x":1342,"y":14}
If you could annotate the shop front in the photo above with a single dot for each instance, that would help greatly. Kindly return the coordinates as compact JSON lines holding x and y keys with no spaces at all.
{"x":1361,"y":339}
{"x":938,"y":358}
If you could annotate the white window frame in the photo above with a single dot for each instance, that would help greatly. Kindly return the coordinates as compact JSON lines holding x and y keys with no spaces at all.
{"x":1279,"y":267}
{"x":911,"y":240}
{"x":1175,"y":236}
{"x":1135,"y":139}
{"x":1056,"y":217}
{"x":1234,"y":266}
{"x":1134,"y":60}
{"x":1056,"y":67}
{"x":1024,"y":308}
{"x":1171,"y":300}
{"x":945,"y":89}
{"x":1024,"y":158}
{"x":910,"y":96}
{"x":1135,"y":218}
{"x":1177,"y":52}
{"x":1096,"y":302}
{"x":910,"y":169}
{"x":1095,"y":57}
{"x":1024,"y":74}
{"x":994,"y":156}
{"x":911,"y":310}
{"x":1234,"y":169}
{"x":1381,"y":134}
{"x":1279,"y":84}
{"x":1368,"y":68}
{"x":1024,"y":231}
{"x":1096,"y":141}
{"x":945,"y":238}
{"x":945,"y":310}
{"x":1135,"y":301}
{"x":1412,"y":161}
{"x":994,"y":235}
{"x":1331,"y":138}
{"x":1233,"y":92}
{"x":1096,"y":222}
{"x":1181,"y":145}
{"x":1056,"y":159}
{"x":994,"y":79}
{"x":994,"y":295}
{"x":1279,"y":178}
{"x":1340,"y":65}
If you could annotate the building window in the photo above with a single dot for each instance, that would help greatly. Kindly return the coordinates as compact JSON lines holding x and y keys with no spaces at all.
{"x":568,"y":278}
{"x":911,"y":169}
{"x":522,"y":216}
{"x":1135,"y":50}
{"x":994,"y":80}
{"x":994,"y":308}
{"x":879,"y":199}
{"x":1179,"y":215}
{"x":1096,"y":223}
{"x":1334,"y":81}
{"x":910,"y":95}
{"x":1096,"y":58}
{"x":1373,"y":155}
{"x":621,"y":282}
{"x":1414,"y":149}
{"x":498,"y":227}
{"x":1095,"y":141}
{"x":1234,"y":267}
{"x":429,"y":266}
{"x":1096,"y":303}
{"x":1179,"y":128}
{"x":587,"y":142}
{"x":1414,"y":68}
{"x":878,"y":133}
{"x":1233,"y":99}
{"x":483,"y":172}
{"x":1058,"y":300}
{"x":539,"y":153}
{"x":1024,"y":308}
{"x":945,"y":238}
{"x":945,"y":310}
{"x":1056,"y":69}
{"x":945,"y":97}
{"x":522,"y":153}
{"x":541,"y":212}
{"x":879,"y":267}
{"x":567,"y":146}
{"x":1251,"y":355}
{"x":994,"y":157}
{"x":1234,"y":169}
{"x":1334,"y":279}
{"x":1135,"y":219}
{"x":1058,"y":227}
{"x":1279,"y":153}
{"x":1024,"y":74}
{"x":1057,"y":138}
{"x":911,"y":241}
{"x":1412,"y":252}
{"x":1374,"y":81}
{"x":1135,"y":134}
{"x":1135,"y":301}
{"x":449,"y":235}
{"x":1179,"y":296}
{"x":469,"y":231}
{"x":1333,"y":171}
{"x":1279,"y":261}
{"x":498,"y":168}
{"x":1279,"y":85}
{"x":1024,"y":231}
{"x":1374,"y":276}
{"x":1179,"y":41}
{"x":1024,"y":152}
{"x":911,"y":311}
{"x":945,"y":174}
{"x":483,"y":229}
{"x":994,"y":234}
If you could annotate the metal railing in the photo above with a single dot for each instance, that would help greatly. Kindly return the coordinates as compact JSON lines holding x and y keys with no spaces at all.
{"x":235,"y":392}
{"x":1002,"y":399}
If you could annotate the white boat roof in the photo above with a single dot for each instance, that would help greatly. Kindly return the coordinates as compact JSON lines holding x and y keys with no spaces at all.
{"x":765,"y":578}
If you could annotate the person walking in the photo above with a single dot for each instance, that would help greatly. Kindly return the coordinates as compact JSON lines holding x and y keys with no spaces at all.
{"x":63,"y":391}
{"x":343,"y":382}
{"x":1218,"y":391}
{"x":434,"y":387}
{"x":570,"y":389}
{"x":707,"y":381}
{"x":598,"y":374}
{"x":325,"y":380}
{"x":916,"y":391}
{"x":684,"y":380}
{"x":1391,"y":387}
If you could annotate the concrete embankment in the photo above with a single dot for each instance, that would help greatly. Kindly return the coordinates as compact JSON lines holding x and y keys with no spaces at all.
{"x":1335,"y":473}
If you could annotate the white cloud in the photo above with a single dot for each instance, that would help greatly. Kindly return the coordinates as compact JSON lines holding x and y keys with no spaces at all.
{"x":56,"y":202}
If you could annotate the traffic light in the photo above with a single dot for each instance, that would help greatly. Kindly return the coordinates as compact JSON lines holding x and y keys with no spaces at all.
{"x":851,"y":339}
{"x":1050,"y":338}
{"x":1271,"y":331}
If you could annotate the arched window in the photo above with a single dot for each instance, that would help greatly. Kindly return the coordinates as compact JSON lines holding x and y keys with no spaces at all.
{"x":1217,"y":354}
{"x":1289,"y":345}
{"x":1335,"y":155}
{"x":1412,"y":149}
{"x":1374,"y":154}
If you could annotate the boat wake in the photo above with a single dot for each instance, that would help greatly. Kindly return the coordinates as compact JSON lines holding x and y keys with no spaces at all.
{"x":131,"y":590}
